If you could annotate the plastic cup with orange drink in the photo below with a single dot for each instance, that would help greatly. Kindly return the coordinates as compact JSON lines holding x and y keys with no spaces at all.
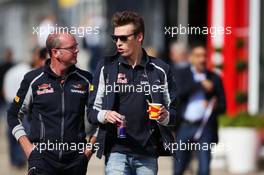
{"x":153,"y":110}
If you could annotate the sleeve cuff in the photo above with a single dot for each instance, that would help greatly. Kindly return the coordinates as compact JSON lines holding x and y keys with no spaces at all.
{"x":101,"y":116}
{"x":18,"y":131}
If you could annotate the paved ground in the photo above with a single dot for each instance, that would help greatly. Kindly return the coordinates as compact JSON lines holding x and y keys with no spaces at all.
{"x":95,"y":167}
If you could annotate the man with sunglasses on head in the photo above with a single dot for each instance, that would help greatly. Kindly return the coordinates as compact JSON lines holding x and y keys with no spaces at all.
{"x":137,"y":153}
{"x":55,"y":96}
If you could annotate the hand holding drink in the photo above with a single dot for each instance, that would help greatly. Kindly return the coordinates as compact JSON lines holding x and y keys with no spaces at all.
{"x":118,"y":119}
{"x":121,"y":128}
{"x":113,"y":117}
{"x":157,"y":112}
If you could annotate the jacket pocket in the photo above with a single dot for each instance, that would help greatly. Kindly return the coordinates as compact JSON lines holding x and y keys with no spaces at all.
{"x":31,"y":171}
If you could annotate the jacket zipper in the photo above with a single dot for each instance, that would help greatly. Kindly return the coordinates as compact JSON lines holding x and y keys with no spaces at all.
{"x":63,"y":112}
{"x":62,"y":117}
{"x":145,"y":71}
{"x":42,"y":128}
{"x":151,"y":130}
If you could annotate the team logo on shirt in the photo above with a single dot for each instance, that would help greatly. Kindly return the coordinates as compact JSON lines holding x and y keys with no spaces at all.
{"x":45,"y":89}
{"x":17,"y":99}
{"x":121,"y":78}
{"x":78,"y":88}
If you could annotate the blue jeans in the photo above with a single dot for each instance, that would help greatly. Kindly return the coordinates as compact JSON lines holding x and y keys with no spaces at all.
{"x":123,"y":164}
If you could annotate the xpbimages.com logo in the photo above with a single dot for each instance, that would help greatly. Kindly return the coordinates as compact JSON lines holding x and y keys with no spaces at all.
{"x":57,"y":146}
{"x":144,"y":87}
{"x":195,"y":146}
{"x":173,"y":31}
{"x":53,"y":29}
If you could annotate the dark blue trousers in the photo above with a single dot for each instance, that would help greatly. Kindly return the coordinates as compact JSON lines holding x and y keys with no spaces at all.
{"x":41,"y":163}
{"x":186,"y":146}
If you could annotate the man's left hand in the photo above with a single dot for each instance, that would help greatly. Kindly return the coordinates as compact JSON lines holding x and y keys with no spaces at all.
{"x":88,"y":152}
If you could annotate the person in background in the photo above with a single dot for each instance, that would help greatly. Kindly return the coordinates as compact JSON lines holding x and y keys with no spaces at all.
{"x":4,"y":67}
{"x":151,"y":51}
{"x":93,"y":43}
{"x":39,"y":56}
{"x":178,"y":60}
{"x":199,"y":91}
{"x":15,"y":75}
{"x":178,"y":55}
{"x":12,"y":81}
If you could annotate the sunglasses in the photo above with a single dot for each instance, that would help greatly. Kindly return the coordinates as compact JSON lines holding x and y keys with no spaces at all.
{"x":122,"y":38}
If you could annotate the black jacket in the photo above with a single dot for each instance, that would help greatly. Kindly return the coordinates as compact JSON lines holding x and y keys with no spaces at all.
{"x":106,"y":74}
{"x":56,"y":106}
{"x":187,"y":86}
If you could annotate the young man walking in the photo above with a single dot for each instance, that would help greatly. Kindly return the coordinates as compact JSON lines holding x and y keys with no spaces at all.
{"x":124,"y":85}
